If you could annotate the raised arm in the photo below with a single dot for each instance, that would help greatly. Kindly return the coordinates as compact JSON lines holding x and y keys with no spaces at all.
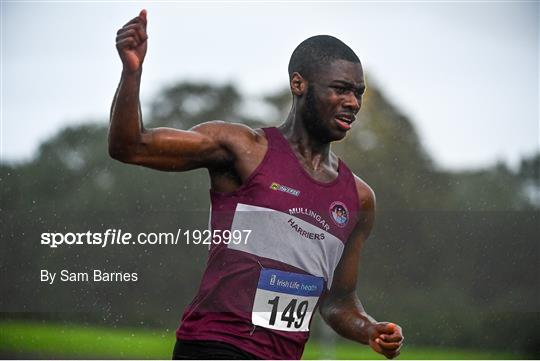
{"x":161,"y":148}
{"x":341,"y":308}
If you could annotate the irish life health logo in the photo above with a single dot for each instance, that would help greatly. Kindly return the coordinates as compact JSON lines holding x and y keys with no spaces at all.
{"x":278,"y":187}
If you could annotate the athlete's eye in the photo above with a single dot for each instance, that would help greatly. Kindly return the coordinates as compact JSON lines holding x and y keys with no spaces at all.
{"x":340,"y":90}
{"x":358,"y":94}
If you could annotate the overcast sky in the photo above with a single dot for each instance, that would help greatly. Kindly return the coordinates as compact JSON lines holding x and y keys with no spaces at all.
{"x":466,"y":73}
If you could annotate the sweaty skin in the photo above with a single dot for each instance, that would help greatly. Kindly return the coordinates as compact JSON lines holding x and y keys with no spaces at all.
{"x":322,"y":112}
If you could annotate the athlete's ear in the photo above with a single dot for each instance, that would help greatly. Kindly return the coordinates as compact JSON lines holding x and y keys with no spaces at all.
{"x":298,"y":84}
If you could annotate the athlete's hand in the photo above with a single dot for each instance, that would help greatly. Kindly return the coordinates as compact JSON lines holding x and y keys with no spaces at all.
{"x":386,"y":338}
{"x":131,"y":43}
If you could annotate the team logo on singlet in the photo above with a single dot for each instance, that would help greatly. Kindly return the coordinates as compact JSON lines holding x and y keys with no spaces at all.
{"x":278,"y":187}
{"x":339,"y":213}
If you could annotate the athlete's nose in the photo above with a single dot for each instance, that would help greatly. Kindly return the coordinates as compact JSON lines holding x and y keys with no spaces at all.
{"x":353,"y":103}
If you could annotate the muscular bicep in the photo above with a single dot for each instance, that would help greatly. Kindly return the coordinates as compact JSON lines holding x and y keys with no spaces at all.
{"x":203,"y":146}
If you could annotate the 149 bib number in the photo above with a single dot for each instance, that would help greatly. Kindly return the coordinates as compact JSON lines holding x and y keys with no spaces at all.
{"x":291,"y":314}
{"x":285,"y":300}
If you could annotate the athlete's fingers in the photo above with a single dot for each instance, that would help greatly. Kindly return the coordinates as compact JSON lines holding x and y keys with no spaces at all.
{"x":385,"y":327}
{"x":142,"y":16}
{"x":391,"y":346}
{"x":135,"y":32}
{"x":375,"y":346}
{"x":394,"y":337}
{"x":387,"y":352}
{"x":138,"y":28}
{"x":126,"y":43}
{"x":127,"y":36}
{"x":130,"y":33}
{"x":122,"y":37}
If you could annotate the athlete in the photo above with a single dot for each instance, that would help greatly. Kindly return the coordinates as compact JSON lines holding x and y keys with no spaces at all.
{"x":306,"y":213}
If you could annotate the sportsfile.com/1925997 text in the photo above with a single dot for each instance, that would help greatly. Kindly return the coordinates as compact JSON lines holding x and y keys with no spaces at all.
{"x":119,"y":237}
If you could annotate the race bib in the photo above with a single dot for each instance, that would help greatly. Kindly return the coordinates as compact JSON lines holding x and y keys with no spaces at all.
{"x":285,"y":301}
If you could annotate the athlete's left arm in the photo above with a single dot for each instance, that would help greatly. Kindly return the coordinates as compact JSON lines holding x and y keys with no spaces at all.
{"x":340,"y":307}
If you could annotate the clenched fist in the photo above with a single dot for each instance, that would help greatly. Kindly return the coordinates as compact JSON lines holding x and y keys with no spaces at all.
{"x":386,"y":339}
{"x":131,"y":43}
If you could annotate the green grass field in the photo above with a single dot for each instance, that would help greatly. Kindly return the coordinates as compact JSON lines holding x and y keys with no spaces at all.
{"x":20,"y":339}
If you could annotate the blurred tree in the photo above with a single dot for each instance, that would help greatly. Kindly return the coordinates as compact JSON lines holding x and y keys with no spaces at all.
{"x":185,"y":105}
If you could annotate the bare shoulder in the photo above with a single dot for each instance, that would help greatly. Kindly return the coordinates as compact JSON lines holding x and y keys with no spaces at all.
{"x":366,"y":195}
{"x":243,"y":149}
{"x":231,"y":135}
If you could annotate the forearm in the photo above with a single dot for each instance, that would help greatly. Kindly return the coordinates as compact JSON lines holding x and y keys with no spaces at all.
{"x":125,"y":123}
{"x":348,"y":318}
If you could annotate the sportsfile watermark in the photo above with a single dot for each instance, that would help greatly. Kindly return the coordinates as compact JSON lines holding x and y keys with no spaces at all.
{"x":119,"y":237}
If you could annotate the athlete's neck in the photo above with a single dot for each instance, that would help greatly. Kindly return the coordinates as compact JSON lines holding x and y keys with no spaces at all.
{"x":315,"y":153}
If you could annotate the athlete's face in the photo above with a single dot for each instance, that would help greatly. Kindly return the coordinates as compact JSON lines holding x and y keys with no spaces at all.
{"x":333,"y":99}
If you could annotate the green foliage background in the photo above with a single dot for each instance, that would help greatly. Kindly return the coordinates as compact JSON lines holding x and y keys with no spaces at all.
{"x":453,"y":258}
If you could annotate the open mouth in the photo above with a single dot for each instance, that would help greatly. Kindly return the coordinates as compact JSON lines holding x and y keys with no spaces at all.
{"x":344,"y":120}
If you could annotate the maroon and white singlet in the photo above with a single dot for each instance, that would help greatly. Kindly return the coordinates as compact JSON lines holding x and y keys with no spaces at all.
{"x":259,"y":294}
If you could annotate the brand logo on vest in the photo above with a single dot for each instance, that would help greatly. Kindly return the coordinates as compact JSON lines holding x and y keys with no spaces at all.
{"x":278,"y":187}
{"x":339,"y":213}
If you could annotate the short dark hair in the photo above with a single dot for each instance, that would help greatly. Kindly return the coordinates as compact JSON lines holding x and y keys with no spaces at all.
{"x":317,"y":51}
